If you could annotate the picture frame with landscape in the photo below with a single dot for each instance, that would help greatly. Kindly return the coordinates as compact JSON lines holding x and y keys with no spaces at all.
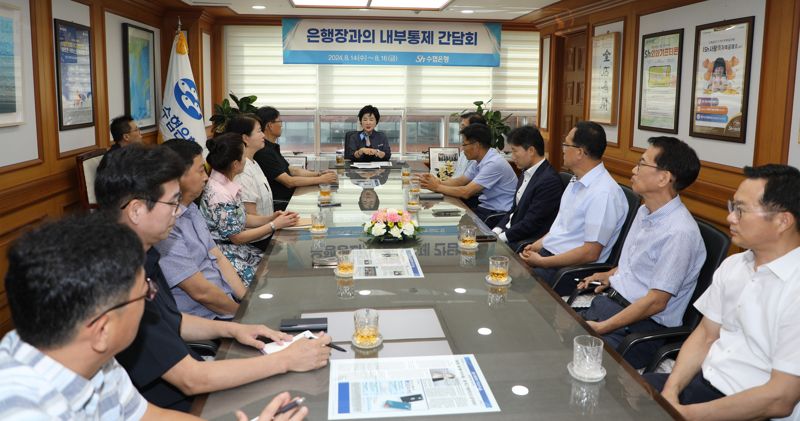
{"x":139,"y":74}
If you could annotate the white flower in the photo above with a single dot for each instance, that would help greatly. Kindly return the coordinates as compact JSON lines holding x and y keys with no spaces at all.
{"x":408,"y":229}
{"x":367,"y":226}
{"x":378,"y":229}
{"x":395,"y":232}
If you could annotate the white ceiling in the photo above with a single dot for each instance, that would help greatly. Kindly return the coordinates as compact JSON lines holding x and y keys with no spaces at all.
{"x":493,"y":10}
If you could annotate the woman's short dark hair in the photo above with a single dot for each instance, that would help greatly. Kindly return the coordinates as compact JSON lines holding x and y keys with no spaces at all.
{"x":782,"y":190}
{"x":186,"y":150}
{"x":527,"y":137}
{"x":135,"y":172}
{"x":223,"y":150}
{"x":64,"y":273}
{"x":591,"y":137}
{"x":242,"y":124}
{"x":369,"y":109}
{"x":478,"y":132}
{"x":678,"y":158}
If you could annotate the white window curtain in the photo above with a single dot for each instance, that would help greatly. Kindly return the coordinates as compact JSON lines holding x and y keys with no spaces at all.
{"x":254,"y":66}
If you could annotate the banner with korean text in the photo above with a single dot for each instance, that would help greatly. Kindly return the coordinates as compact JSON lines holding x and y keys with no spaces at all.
{"x":325,"y":41}
{"x":181,"y":114}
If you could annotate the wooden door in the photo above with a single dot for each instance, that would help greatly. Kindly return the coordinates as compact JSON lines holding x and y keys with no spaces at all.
{"x":573,"y":83}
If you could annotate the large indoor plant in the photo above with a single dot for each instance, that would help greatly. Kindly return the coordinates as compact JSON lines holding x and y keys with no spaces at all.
{"x":495,"y":121}
{"x":224,"y":112}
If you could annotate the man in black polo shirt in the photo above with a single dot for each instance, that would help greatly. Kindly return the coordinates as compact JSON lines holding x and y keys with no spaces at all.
{"x":139,"y":186}
{"x":281,"y":177}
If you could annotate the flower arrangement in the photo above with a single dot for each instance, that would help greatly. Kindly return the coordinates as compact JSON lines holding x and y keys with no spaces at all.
{"x":391,"y":224}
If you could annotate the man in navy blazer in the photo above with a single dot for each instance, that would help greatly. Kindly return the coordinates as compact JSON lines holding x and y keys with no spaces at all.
{"x":539,"y":191}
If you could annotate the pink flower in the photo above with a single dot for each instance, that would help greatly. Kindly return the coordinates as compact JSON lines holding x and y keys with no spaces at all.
{"x":392,"y":216}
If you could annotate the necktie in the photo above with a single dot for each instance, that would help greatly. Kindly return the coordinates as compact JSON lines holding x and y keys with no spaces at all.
{"x":366,"y":138}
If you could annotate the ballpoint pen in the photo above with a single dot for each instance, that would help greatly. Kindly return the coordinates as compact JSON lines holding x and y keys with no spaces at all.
{"x":336,"y":347}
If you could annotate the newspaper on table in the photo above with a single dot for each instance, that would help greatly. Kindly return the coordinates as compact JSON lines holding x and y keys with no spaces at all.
{"x":404,"y":387}
{"x":385,"y":263}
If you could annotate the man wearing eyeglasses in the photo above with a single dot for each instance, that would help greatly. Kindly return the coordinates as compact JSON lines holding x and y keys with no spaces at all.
{"x":492,"y":180}
{"x":662,"y":256}
{"x":281,"y":177}
{"x":741,"y":362}
{"x":591,"y":213}
{"x":139,"y":186}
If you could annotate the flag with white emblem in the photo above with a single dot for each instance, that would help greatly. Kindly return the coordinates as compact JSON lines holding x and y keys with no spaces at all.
{"x":181,"y":115}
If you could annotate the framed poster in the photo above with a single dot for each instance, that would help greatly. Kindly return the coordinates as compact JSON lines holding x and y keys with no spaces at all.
{"x":74,"y":75}
{"x":605,"y":74}
{"x":11,"y":105}
{"x":721,"y":79}
{"x":660,"y":81}
{"x":138,"y":46}
{"x":443,"y":162}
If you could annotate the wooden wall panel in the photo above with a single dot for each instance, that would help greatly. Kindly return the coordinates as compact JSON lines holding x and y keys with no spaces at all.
{"x":707,"y":197}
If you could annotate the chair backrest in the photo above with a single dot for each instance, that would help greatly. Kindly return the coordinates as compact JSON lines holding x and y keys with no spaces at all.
{"x":717,"y":244}
{"x":87,"y":169}
{"x":633,"y":206}
{"x":565,"y":178}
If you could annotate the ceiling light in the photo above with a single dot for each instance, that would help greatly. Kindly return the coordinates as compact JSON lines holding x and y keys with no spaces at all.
{"x":265,"y":296}
{"x":329,"y":3}
{"x":468,"y":12}
{"x":364,"y":292}
{"x":484,"y":331}
{"x":410,"y":4}
{"x":460,"y":290}
{"x":259,"y":7}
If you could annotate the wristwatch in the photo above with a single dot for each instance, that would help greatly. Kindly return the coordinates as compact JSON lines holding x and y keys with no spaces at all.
{"x":272,"y":225}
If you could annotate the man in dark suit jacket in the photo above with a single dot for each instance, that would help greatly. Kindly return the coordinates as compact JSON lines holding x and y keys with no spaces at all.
{"x":539,"y":191}
{"x":368,"y":144}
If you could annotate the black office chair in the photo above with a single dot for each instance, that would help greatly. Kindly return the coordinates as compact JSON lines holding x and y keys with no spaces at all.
{"x":717,"y":244}
{"x":344,"y":140}
{"x":565,"y":278}
{"x":565,"y":178}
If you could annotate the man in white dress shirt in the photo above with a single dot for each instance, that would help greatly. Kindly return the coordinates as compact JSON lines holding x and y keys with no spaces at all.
{"x":743,"y":360}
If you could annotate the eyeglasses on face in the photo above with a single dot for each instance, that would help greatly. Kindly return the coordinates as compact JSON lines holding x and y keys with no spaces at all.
{"x":276,"y":122}
{"x":176,"y":204}
{"x":641,"y":164}
{"x":567,"y":145}
{"x":737,"y":210}
{"x":465,"y":144}
{"x":152,"y":290}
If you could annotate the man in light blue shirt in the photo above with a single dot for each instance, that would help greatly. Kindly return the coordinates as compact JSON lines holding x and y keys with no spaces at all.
{"x":492,"y":178}
{"x":661,"y":258}
{"x":592,"y":210}
{"x":201,"y":279}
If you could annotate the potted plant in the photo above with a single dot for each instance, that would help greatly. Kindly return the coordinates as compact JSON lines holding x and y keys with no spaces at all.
{"x":224,"y":112}
{"x":391,"y":225}
{"x":495,"y":121}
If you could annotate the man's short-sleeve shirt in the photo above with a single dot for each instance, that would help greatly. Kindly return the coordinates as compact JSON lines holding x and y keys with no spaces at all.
{"x":592,"y":210}
{"x":274,"y":164}
{"x":758,"y":310}
{"x":187,"y":251}
{"x":498,"y":180}
{"x":663,"y":251}
{"x":158,"y":345}
{"x":35,"y":386}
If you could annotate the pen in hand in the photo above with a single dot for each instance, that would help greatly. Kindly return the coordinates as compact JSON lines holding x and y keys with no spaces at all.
{"x":286,"y":408}
{"x":336,"y":347}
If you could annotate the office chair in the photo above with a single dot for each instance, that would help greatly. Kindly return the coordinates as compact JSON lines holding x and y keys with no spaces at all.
{"x":565,"y":284}
{"x":717,"y":244}
{"x":565,"y":178}
{"x":86,"y":164}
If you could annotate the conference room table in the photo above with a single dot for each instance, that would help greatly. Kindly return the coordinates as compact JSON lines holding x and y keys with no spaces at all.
{"x":521,"y":334}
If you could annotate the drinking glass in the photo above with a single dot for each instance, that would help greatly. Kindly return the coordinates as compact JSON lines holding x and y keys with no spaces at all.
{"x":467,"y":236}
{"x":324,"y":193}
{"x":587,"y":356}
{"x":339,"y":158}
{"x":498,"y":269}
{"x":344,"y":263}
{"x":318,"y":222}
{"x":413,"y":185}
{"x":366,"y":328}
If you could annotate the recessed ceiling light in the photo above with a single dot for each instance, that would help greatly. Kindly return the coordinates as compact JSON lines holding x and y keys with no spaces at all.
{"x":410,"y":4}
{"x":468,"y":12}
{"x":259,"y":7}
{"x":329,"y":3}
{"x":519,"y":390}
{"x":484,"y":331}
{"x":265,"y":296}
{"x":460,"y":290}
{"x":364,"y":292}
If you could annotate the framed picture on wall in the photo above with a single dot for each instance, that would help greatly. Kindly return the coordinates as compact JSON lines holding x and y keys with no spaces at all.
{"x":721,"y":79}
{"x":11,"y":101}
{"x":443,"y":162}
{"x":603,"y":83}
{"x":660,"y":81}
{"x":74,"y":75}
{"x":138,"y":45}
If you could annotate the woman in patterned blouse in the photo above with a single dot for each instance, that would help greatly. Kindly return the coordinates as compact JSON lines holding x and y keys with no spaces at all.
{"x":221,"y":205}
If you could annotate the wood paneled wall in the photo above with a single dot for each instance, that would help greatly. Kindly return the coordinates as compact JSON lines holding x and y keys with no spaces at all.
{"x":707,"y":197}
{"x":47,"y":188}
